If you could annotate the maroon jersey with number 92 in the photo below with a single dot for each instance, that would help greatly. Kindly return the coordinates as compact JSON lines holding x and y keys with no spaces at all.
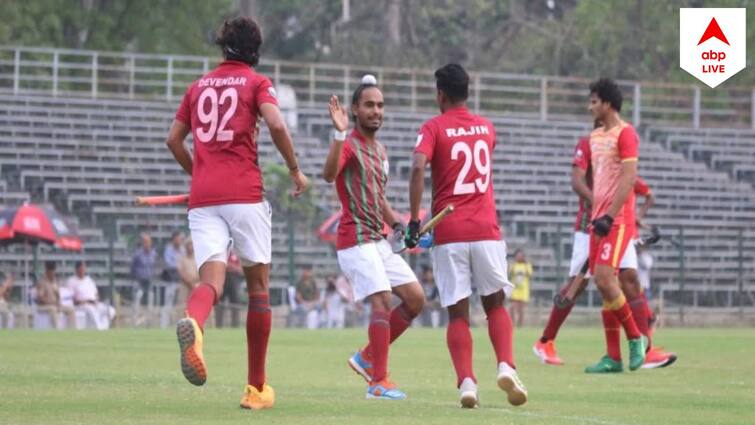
{"x":222,"y":108}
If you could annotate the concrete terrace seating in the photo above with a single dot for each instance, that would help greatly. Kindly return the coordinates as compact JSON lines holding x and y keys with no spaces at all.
{"x":91,"y":157}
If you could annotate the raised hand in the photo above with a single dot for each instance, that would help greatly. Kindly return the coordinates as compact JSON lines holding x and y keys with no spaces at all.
{"x":338,"y":114}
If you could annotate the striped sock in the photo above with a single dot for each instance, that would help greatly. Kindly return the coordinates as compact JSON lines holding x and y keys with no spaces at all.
{"x":612,"y":328}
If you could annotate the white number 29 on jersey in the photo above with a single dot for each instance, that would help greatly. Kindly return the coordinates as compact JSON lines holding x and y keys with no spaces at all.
{"x":481,"y":160}
{"x":219,"y":133}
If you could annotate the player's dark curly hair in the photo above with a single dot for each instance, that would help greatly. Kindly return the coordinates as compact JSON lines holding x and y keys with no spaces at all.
{"x":607,"y":91}
{"x":453,"y":80}
{"x":240,"y":39}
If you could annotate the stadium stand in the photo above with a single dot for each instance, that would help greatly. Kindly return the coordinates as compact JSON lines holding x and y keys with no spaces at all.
{"x":90,"y":156}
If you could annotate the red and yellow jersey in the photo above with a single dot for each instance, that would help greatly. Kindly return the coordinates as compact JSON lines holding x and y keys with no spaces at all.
{"x":582,"y":160}
{"x":609,"y":149}
{"x":222,"y":108}
{"x":360,"y":183}
{"x":459,"y":147}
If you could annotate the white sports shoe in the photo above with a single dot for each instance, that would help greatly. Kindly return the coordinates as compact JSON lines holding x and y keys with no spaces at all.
{"x":509,"y":382}
{"x":468,"y":394}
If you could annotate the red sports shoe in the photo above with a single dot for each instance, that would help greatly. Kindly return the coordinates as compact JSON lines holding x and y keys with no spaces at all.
{"x":546,"y":352}
{"x":658,"y":358}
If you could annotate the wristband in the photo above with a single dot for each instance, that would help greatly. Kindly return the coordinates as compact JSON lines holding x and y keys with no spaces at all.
{"x":339,"y":136}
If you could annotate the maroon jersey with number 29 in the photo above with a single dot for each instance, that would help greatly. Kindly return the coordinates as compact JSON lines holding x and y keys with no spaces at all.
{"x":459,"y":146}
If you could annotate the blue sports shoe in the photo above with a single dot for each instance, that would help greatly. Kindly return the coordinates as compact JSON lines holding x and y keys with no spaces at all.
{"x":361,"y":366}
{"x":385,"y":390}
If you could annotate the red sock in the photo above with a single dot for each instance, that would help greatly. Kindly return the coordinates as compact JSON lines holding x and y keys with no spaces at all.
{"x":612,"y":328}
{"x":640,"y":312}
{"x":200,"y":302}
{"x":400,"y":321}
{"x":459,"y":341}
{"x":258,"y":323}
{"x":624,"y":315}
{"x":379,"y":333}
{"x":501,"y":334}
{"x":557,"y":318}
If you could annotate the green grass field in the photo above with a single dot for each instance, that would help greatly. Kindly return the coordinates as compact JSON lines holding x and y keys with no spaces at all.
{"x":132,"y":376}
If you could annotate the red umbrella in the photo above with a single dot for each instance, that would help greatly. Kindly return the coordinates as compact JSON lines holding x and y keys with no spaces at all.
{"x":31,"y":223}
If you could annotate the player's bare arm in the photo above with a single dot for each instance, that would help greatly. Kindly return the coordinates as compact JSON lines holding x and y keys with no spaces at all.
{"x":340,"y":123}
{"x":389,"y":215}
{"x":417,"y":184}
{"x":176,"y":136}
{"x":649,"y":201}
{"x":282,"y":140}
{"x":579,"y":184}
{"x":627,"y":176}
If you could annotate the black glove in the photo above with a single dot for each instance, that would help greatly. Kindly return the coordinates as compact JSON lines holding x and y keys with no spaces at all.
{"x":602,"y":225}
{"x":412,"y":234}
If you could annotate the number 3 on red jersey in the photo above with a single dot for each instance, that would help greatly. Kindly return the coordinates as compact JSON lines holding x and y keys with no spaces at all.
{"x":481,"y":160}
{"x":219,"y":133}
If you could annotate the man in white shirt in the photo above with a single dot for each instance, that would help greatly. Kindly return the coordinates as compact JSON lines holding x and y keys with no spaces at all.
{"x":86,"y":297}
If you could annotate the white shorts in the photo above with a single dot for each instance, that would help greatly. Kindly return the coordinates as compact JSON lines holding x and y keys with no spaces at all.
{"x":579,"y":252}
{"x":244,"y":227}
{"x":374,"y":267}
{"x":460,"y":265}
{"x":629,"y":260}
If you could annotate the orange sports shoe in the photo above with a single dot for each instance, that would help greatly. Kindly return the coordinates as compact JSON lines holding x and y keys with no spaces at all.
{"x":256,"y":400}
{"x":546,"y":352}
{"x":190,"y":343}
{"x":655,"y":357}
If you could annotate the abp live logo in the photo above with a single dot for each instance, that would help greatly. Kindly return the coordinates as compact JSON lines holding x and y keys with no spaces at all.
{"x":712,"y":43}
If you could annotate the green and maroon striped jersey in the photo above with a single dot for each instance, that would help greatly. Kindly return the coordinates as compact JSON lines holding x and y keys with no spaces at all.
{"x":360,"y":183}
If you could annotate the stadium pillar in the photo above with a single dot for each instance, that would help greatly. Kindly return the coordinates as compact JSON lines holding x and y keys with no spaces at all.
{"x":312,"y":86}
{"x":636,"y":107}
{"x":543,"y":99}
{"x":55,"y":65}
{"x":110,"y":271}
{"x":16,"y":70}
{"x":740,"y":272}
{"x":94,"y":75}
{"x":681,"y":274}
{"x":169,"y":79}
{"x":696,"y":107}
{"x":477,"y":93}
{"x":291,"y":268}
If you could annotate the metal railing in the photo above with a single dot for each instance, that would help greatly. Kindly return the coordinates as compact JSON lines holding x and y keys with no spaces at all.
{"x":83,"y":73}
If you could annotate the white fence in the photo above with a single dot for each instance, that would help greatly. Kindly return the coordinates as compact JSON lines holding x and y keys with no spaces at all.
{"x":65,"y":72}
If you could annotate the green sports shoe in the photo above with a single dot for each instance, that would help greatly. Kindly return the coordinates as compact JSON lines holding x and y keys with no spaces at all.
{"x":605,"y":365}
{"x":637,"y":352}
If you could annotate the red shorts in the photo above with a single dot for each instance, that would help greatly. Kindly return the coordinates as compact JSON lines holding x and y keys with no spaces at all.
{"x":609,"y":249}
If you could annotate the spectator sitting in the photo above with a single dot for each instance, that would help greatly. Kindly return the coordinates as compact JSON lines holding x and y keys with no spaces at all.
{"x":335,"y":305}
{"x":187,"y":272}
{"x":142,"y":269}
{"x":48,"y":298}
{"x":86,"y":298}
{"x":172,"y":252}
{"x":5,"y":288}
{"x":308,"y":298}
